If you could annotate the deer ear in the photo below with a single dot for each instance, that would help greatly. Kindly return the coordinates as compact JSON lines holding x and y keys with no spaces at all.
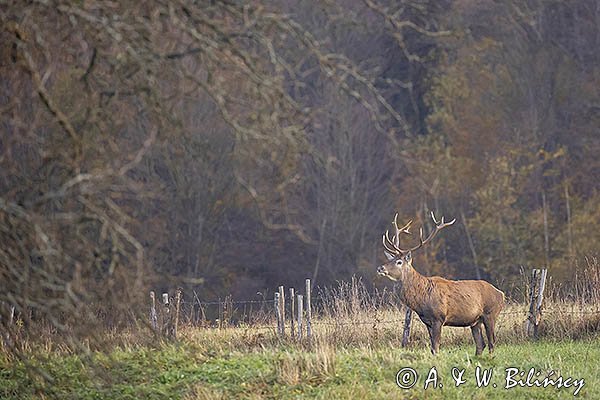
{"x":407,"y":256}
{"x":389,"y":256}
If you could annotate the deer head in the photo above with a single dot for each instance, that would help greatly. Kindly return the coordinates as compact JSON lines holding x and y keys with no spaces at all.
{"x":400,"y":260}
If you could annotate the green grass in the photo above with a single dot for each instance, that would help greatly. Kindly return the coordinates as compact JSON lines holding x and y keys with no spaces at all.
{"x":189,"y":370}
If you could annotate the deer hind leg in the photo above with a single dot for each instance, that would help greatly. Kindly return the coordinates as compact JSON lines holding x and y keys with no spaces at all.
{"x":477,"y":331}
{"x":435,"y":333}
{"x":490,"y":324}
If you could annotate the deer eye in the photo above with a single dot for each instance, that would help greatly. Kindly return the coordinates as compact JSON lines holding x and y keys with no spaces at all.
{"x":398,"y":263}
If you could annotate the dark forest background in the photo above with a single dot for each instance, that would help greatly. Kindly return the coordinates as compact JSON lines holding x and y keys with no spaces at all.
{"x":229,"y":147}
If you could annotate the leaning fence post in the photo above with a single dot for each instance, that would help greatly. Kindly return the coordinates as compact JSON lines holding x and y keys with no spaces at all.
{"x":540,"y":298}
{"x":153,"y":316}
{"x":536,"y":297}
{"x":406,"y":332}
{"x":282,"y":309}
{"x":277,"y":313}
{"x":300,"y":305}
{"x":308,"y":310}
{"x":292,"y":313}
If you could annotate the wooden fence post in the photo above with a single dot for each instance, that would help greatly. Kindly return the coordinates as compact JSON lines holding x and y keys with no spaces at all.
{"x":223,"y":318}
{"x":292,"y":313}
{"x":536,"y":297}
{"x":227,"y":311}
{"x":153,"y":315}
{"x":308,"y":310}
{"x":532,"y":291}
{"x":230,"y":309}
{"x":282,"y":309}
{"x":300,"y":305}
{"x":198,"y":310}
{"x":277,"y":313}
{"x":177,"y":307}
{"x":220,"y":324}
{"x":540,"y":298}
{"x":406,"y":332}
{"x":166,"y":317}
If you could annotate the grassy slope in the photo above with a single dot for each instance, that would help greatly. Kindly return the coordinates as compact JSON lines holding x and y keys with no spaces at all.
{"x":188,"y":371}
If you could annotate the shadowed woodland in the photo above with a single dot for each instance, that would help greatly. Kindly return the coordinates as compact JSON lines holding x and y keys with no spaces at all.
{"x":229,"y":147}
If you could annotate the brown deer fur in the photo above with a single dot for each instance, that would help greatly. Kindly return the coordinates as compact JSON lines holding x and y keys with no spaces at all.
{"x":441,"y":302}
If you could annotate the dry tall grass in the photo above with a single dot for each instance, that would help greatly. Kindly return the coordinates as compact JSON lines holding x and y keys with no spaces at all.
{"x":350,"y":316}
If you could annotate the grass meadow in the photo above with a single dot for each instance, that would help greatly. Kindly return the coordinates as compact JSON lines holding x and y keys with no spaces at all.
{"x":193,"y":370}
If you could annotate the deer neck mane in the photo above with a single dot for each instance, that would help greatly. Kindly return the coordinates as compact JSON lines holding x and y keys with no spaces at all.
{"x":414,"y":287}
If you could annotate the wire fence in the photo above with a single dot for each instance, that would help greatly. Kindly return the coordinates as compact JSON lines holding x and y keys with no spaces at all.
{"x":260,"y":314}
{"x":351,"y":303}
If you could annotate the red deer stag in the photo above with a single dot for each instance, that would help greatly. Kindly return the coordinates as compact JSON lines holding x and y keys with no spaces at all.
{"x":438,"y":301}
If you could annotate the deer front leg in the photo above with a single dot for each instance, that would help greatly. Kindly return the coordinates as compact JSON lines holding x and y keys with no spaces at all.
{"x":435,"y":333}
{"x":477,"y":331}
{"x":489,"y":322}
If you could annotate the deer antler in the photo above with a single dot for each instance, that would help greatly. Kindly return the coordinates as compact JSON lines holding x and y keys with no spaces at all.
{"x":438,"y":227}
{"x":393,"y":245}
